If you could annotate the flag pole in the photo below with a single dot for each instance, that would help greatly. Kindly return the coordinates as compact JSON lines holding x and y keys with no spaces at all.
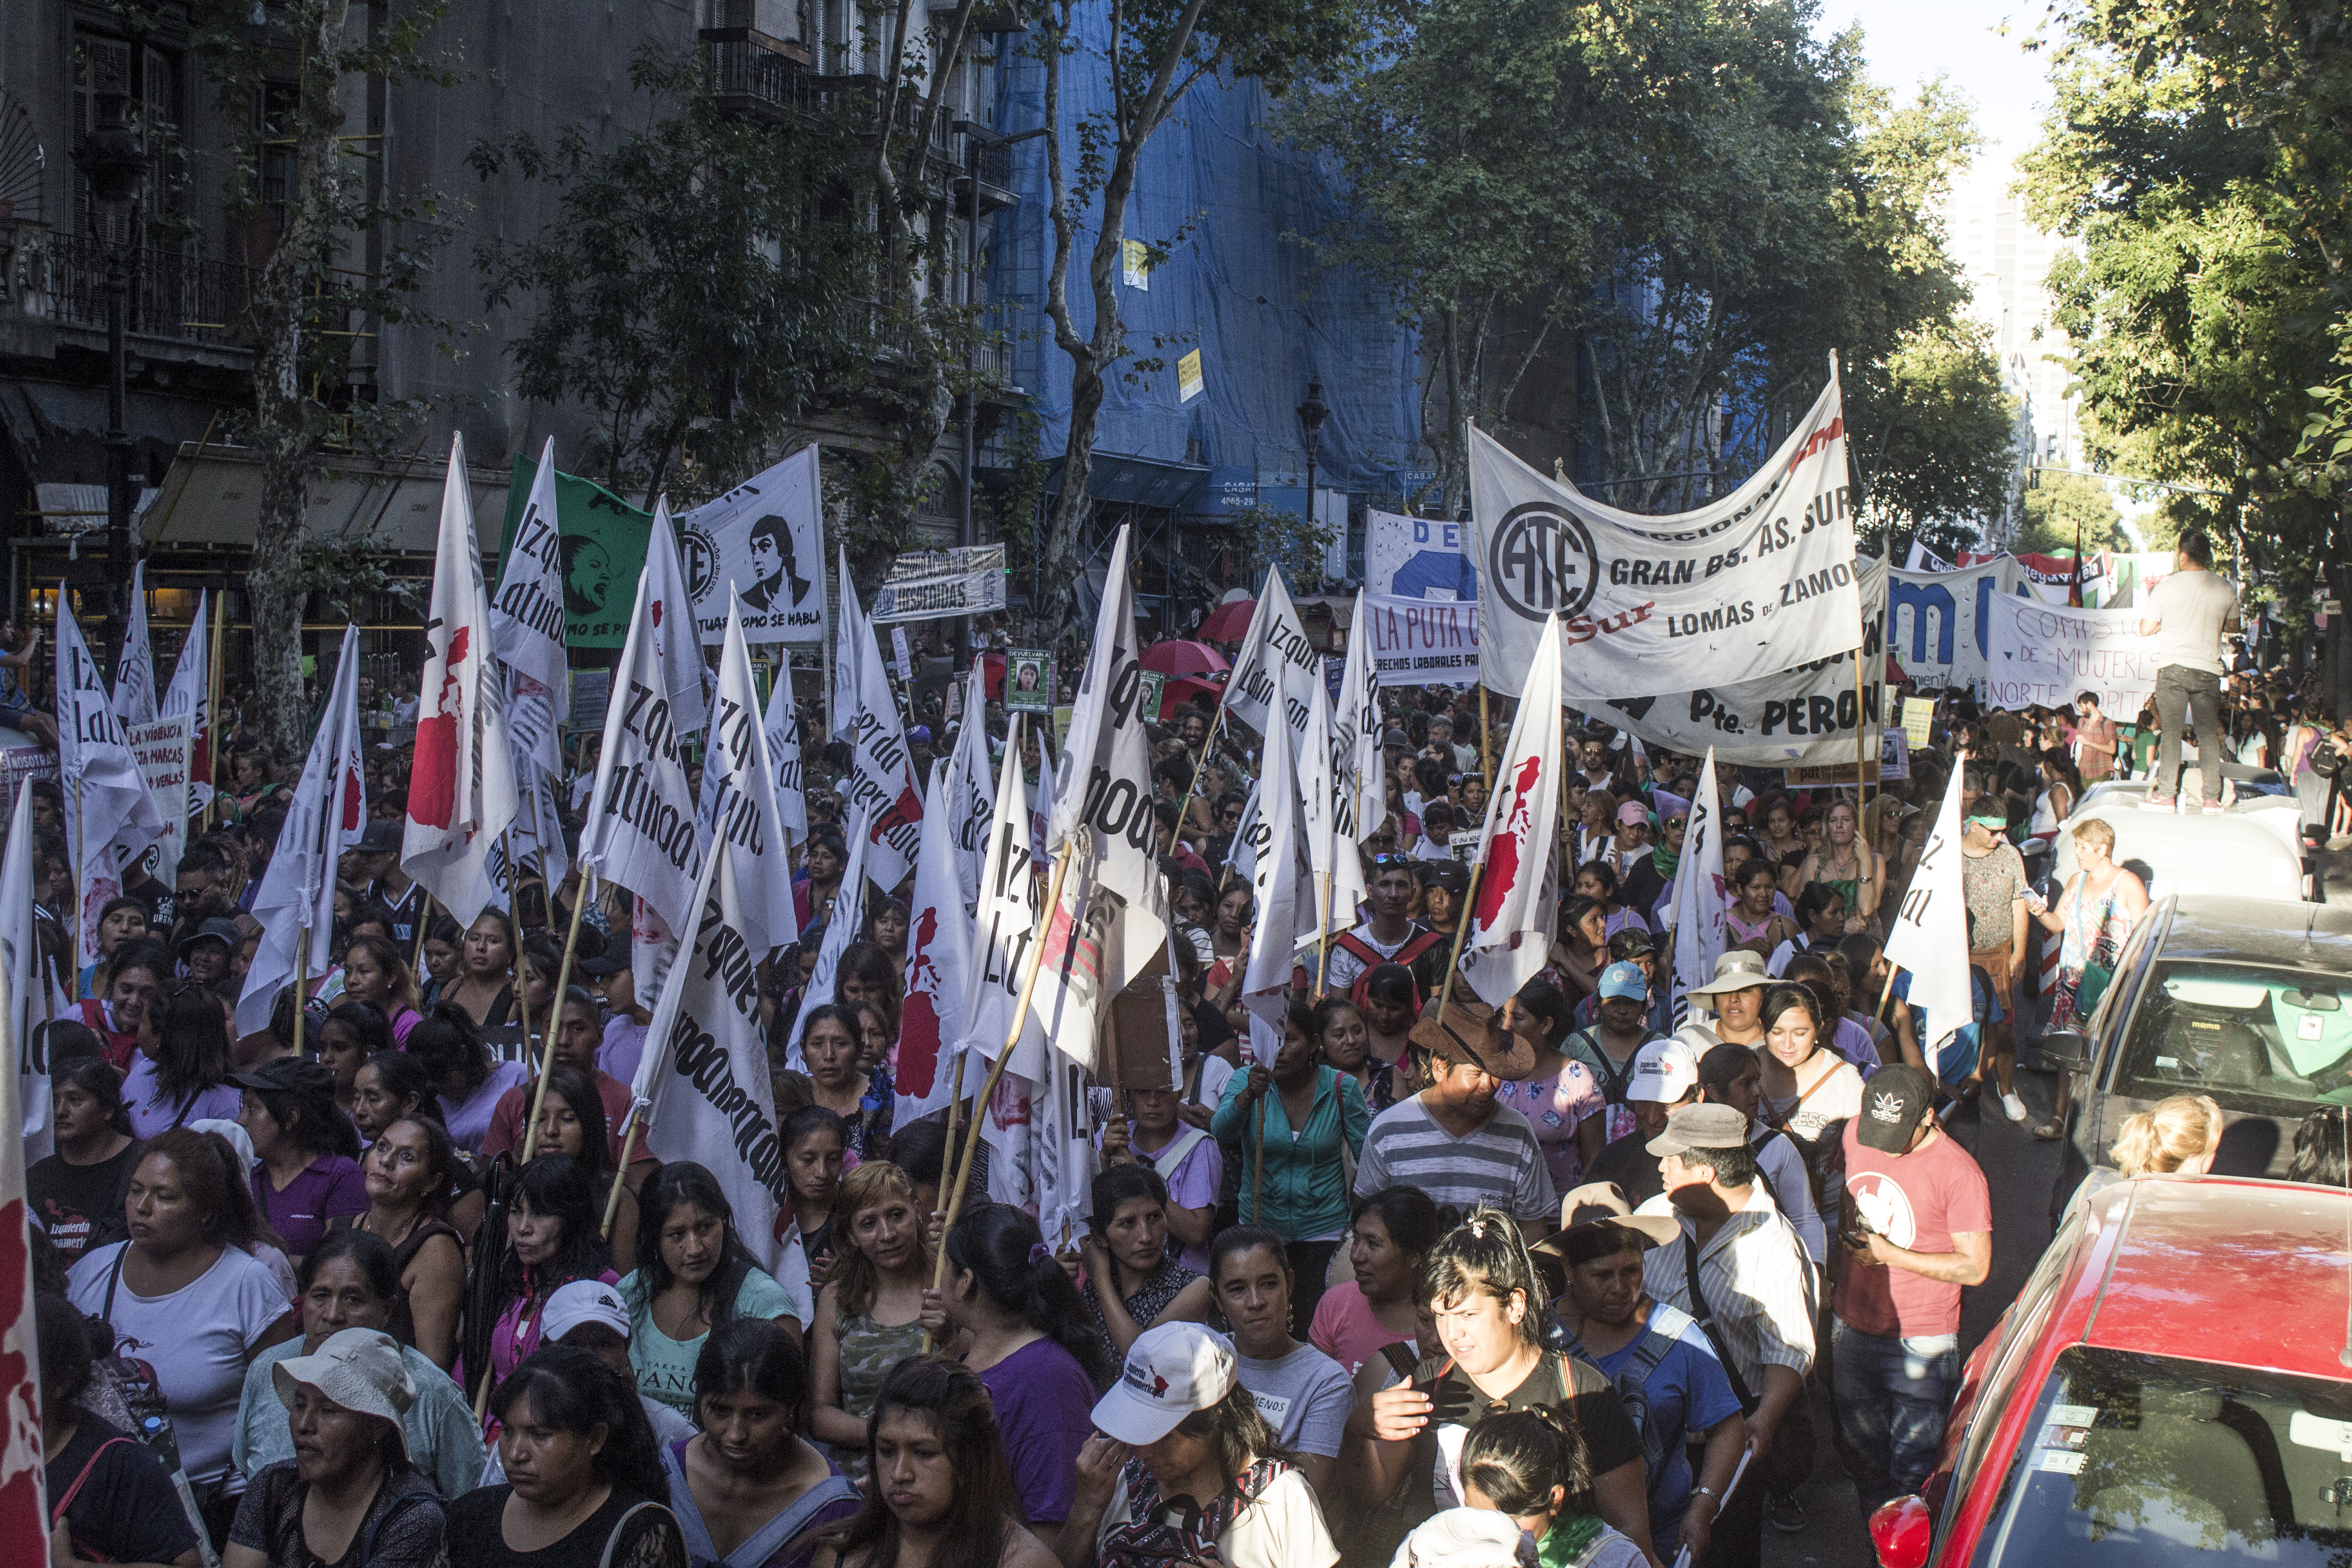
{"x":1208,"y":742}
{"x":1323,"y":932}
{"x":301,"y":979}
{"x":1860,"y":740}
{"x":620,"y":1173}
{"x":955,"y":1109}
{"x":547,"y":1061}
{"x":996,"y":1071}
{"x":1257,"y":1167}
{"x":1486,"y":730}
{"x":416,"y":958}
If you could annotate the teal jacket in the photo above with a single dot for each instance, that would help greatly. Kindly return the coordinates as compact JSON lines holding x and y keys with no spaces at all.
{"x":1306,"y":1183}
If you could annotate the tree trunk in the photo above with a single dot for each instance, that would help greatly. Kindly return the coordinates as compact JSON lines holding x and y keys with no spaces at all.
{"x":282,"y":430}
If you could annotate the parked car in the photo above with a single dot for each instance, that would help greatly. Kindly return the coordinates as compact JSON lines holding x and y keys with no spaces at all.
{"x":2254,"y":851}
{"x":2166,"y":1389}
{"x":2240,"y":998}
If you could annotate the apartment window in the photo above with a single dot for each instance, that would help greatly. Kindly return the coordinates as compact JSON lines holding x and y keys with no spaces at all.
{"x":273,"y":126}
{"x":151,"y":77}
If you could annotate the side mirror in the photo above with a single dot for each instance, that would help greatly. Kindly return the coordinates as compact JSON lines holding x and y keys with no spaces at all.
{"x":2067,"y":1048}
{"x":1902,"y":1532}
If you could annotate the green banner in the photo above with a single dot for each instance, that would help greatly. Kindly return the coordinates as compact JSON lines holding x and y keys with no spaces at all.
{"x":603,"y":542}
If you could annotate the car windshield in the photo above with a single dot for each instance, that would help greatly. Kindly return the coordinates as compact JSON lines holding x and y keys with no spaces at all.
{"x":2144,"y":1460}
{"x":2269,"y":1041}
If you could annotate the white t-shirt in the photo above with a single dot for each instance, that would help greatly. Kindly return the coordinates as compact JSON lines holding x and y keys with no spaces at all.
{"x":198,"y":1338}
{"x":1281,"y":1528}
{"x":2192,"y":607}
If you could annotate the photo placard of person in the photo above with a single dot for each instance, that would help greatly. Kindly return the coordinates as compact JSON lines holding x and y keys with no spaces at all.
{"x":1756,"y":581}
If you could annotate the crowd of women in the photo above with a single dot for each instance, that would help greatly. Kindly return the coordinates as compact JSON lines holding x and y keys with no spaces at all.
{"x":361,"y":1287}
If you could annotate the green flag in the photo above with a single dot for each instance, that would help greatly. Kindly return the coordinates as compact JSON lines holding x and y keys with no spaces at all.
{"x":603,"y":543}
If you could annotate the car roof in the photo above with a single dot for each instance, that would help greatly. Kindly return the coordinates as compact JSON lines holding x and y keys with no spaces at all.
{"x":2227,"y":1270}
{"x":2263,"y":931}
{"x":2192,"y":853}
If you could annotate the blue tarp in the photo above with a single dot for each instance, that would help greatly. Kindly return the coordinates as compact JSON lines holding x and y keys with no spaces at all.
{"x":1215,"y":187}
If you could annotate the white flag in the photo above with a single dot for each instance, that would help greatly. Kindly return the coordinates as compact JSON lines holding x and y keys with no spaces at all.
{"x":1276,"y":665}
{"x":110,"y":816}
{"x":1249,"y":835}
{"x":24,"y":1008}
{"x":766,"y":538}
{"x":25,"y":1529}
{"x":669,"y":620}
{"x":702,"y":1084}
{"x":527,"y":625}
{"x":1285,"y":906}
{"x":971,"y":793}
{"x":881,"y":778}
{"x":738,"y":799}
{"x":1516,"y":910}
{"x":1003,"y":926}
{"x":1041,"y":807}
{"x":1930,"y":933}
{"x":1699,"y":906}
{"x":1356,"y":727}
{"x":851,"y":638}
{"x":325,"y":816}
{"x":190,"y":693}
{"x":134,"y":672}
{"x":461,"y":785}
{"x":841,"y":927}
{"x":1325,"y":794}
{"x":783,"y":725}
{"x":1062,"y":1131}
{"x":640,"y":830}
{"x":1109,"y":922}
{"x":535,"y":837}
{"x":939,"y":969}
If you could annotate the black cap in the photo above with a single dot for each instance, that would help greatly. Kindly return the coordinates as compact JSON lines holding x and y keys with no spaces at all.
{"x":614,"y":959}
{"x":217,"y":929}
{"x":381,"y":836}
{"x":1450,"y":875}
{"x":1897,"y":1098}
{"x":286,"y":1075}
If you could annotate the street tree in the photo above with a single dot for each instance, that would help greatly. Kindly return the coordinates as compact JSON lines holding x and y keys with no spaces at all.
{"x":2064,"y":512}
{"x":285,"y":82}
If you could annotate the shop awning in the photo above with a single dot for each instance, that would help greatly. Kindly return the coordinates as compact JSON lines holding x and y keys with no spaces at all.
{"x":212,"y":495}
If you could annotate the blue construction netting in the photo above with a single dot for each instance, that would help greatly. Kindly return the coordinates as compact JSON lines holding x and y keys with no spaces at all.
{"x":1217,"y":188}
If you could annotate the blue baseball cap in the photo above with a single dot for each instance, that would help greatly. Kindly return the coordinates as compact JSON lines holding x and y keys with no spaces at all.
{"x":1624,"y":980}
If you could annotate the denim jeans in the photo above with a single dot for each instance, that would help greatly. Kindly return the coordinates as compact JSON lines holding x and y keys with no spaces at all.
{"x":2179,"y":691}
{"x":1892,"y":1396}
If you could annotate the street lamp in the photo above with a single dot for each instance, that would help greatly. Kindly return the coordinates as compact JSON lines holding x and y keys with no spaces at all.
{"x":113,"y":159}
{"x":1311,"y":415}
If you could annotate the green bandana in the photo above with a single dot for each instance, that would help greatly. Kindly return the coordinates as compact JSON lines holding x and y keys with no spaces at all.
{"x":1665,"y":860}
{"x":1568,"y":1538}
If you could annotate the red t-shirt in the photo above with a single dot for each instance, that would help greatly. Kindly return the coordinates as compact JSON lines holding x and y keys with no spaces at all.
{"x":513,"y":1109}
{"x":1916,"y":1201}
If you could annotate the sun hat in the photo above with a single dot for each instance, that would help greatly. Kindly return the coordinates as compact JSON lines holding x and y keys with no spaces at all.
{"x":1605,"y":1203}
{"x":359,"y":1368}
{"x":1171,"y":1371}
{"x":1738,"y":970}
{"x":1695,"y":1127}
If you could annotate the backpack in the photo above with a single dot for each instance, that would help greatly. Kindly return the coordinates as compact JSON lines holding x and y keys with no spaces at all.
{"x":1414,"y":948}
{"x":1632,"y":1382}
{"x":1179,"y":1533}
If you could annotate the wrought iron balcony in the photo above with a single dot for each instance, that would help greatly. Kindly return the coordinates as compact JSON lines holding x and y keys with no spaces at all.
{"x":177,"y":298}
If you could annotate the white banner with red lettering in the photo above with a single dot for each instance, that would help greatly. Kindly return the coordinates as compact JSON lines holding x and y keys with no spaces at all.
{"x":1421,"y":642}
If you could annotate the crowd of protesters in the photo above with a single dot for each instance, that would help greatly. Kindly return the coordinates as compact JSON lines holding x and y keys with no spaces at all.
{"x":1554,"y":1273}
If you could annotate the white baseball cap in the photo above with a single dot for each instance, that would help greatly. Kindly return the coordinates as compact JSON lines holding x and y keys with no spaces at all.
{"x":583,"y":1301}
{"x":1171,"y":1371}
{"x":1664,"y":1072}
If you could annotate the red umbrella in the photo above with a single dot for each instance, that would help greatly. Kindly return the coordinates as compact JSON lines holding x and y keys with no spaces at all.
{"x":1181,"y":657}
{"x":1228,"y":622}
{"x":992,"y":675}
{"x":1186,"y":689}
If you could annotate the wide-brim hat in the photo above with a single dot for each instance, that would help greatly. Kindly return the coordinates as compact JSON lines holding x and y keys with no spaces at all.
{"x":1467,"y":1031}
{"x":1739,"y":970}
{"x":359,"y":1368}
{"x":1605,"y":1203}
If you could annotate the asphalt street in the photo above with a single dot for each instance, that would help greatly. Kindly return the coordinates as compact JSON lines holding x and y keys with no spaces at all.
{"x":2020,"y":1171}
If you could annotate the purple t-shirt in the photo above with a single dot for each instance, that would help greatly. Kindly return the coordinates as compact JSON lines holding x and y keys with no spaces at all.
{"x":1044,"y":1404}
{"x":329,"y":1185}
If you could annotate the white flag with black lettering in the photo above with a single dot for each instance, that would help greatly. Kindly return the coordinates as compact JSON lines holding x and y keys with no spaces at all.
{"x":27,"y":1005}
{"x":110,"y":816}
{"x":939,"y":965}
{"x":134,"y":672}
{"x":1929,"y":936}
{"x":1285,"y":904}
{"x":526,"y":627}
{"x":970,"y":793}
{"x":1356,"y":729}
{"x":1110,"y":921}
{"x":640,"y":829}
{"x":1276,"y":665}
{"x":669,"y":623}
{"x":765,"y":537}
{"x":190,"y":693}
{"x":703,"y":1087}
{"x":783,"y":725}
{"x":1003,"y":926}
{"x":739,"y":798}
{"x":881,"y":777}
{"x":1699,"y":906}
{"x":1516,"y":908}
{"x":842,"y":925}
{"x":1328,"y":811}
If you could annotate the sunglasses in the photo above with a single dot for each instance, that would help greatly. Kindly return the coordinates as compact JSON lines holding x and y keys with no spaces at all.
{"x":1677,"y":822}
{"x":1392,"y":859}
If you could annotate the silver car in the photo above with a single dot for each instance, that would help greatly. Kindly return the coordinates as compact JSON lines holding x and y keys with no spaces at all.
{"x":2244,"y":999}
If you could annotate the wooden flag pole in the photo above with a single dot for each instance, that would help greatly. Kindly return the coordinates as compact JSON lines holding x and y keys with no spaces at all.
{"x":1257,"y":1166}
{"x":1208,"y":741}
{"x":301,"y":980}
{"x":1860,"y":750}
{"x":556,"y":1009}
{"x":996,"y":1071}
{"x":955,"y":1114}
{"x":1322,"y":931}
{"x":1486,"y":758}
{"x":80,"y":913}
{"x":424,"y":919}
{"x":621,"y":1174}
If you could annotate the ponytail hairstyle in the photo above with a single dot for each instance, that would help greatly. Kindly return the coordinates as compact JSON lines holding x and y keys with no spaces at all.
{"x":1392,"y":985}
{"x":409,"y":1081}
{"x":1519,"y":1459}
{"x":1486,"y":1255}
{"x":1013,"y":1266}
{"x":2181,"y":1128}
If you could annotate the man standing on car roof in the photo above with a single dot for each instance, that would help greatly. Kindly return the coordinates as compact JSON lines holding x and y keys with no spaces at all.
{"x":2186,"y":614}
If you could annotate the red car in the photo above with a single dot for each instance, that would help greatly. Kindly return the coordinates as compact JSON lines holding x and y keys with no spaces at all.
{"x":2170,"y":1386}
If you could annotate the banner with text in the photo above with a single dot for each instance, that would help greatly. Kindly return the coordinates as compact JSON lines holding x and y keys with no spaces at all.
{"x":1421,"y":641}
{"x":2043,"y":655}
{"x":766,"y":536}
{"x":161,"y":748}
{"x":1935,"y":620}
{"x":931,"y":584}
{"x":1759,"y":581}
{"x":1800,"y":718}
{"x":1416,"y":558}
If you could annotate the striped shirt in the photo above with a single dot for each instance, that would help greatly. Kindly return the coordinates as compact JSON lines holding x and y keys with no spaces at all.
{"x":1499,"y":1163}
{"x":1758,"y":1282}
